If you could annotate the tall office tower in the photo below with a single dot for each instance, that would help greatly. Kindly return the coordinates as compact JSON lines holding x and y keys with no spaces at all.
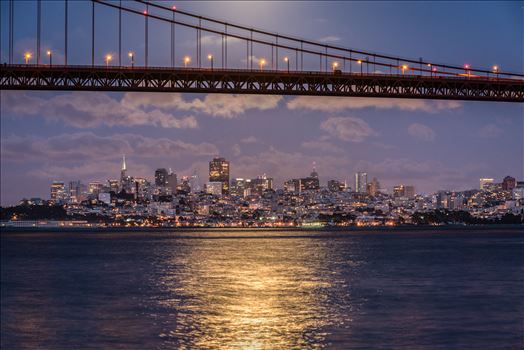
{"x":485,"y":183}
{"x":508,"y":183}
{"x":219,"y":172}
{"x":171,"y":181}
{"x":336,"y":186}
{"x":161,"y":177}
{"x":123,"y":171}
{"x":57,"y":191}
{"x":361,"y":182}
{"x":373,"y":188}
{"x":194,"y":183}
{"x":95,"y":187}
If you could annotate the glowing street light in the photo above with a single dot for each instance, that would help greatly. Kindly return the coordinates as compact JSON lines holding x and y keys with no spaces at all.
{"x":496,"y":70}
{"x":27,"y":57}
{"x":131,"y":55}
{"x":108,"y":59}
{"x":210,"y":58}
{"x":262,"y":63}
{"x":466,"y":69}
{"x":404,"y":68}
{"x":187,"y":59}
{"x":360,"y":64}
{"x":334,"y":65}
{"x":286,"y":59}
{"x":50,"y":54}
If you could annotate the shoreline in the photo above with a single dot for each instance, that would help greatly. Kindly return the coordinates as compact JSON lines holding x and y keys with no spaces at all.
{"x":406,"y":228}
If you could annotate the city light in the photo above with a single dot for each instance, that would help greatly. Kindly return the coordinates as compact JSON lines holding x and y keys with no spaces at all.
{"x":495,"y":69}
{"x":50,"y":54}
{"x":404,"y":68}
{"x":108,"y":59}
{"x":334,"y":65}
{"x":286,"y":59}
{"x":132,"y":57}
{"x":27,"y":57}
{"x":210,"y":58}
{"x":187,"y":60}
{"x":262,"y":63}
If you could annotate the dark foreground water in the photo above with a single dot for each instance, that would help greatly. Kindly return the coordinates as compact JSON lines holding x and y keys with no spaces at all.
{"x":263,"y":290}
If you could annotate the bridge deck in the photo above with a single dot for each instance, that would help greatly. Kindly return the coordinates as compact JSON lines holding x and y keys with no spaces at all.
{"x":205,"y":80}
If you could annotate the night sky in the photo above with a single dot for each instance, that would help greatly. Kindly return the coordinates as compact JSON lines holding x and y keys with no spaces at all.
{"x":432,"y":145}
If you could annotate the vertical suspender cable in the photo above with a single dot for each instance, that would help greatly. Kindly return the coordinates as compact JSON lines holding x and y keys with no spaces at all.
{"x":225,"y":46}
{"x":301,"y":55}
{"x":173,"y":41}
{"x":93,"y":33}
{"x":147,"y":34}
{"x":66,"y":10}
{"x":11,"y":27}
{"x":252,"y":56}
{"x":38,"y":29}
{"x":120,"y":34}
{"x":277,"y":52}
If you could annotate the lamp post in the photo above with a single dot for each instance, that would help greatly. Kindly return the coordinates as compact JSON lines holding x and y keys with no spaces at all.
{"x":404,"y":68}
{"x":108,"y":59}
{"x":334,"y":65}
{"x":496,"y":71}
{"x":27,"y":57}
{"x":210,"y":58}
{"x":132,"y":57}
{"x":286,"y":59}
{"x":262,"y":63}
{"x":50,"y":54}
{"x":187,"y":59}
{"x":360,"y":64}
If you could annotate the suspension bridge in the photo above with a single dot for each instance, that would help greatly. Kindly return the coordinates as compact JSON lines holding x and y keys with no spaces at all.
{"x":292,"y":66}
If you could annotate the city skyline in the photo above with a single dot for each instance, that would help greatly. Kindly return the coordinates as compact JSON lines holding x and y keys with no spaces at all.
{"x":429,"y":144}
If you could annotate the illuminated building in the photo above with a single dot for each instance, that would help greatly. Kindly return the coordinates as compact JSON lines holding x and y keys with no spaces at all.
{"x":260,"y":184}
{"x":239,"y":186}
{"x":161,"y":177}
{"x":57,"y":191}
{"x":361,"y":182}
{"x":171,"y":181}
{"x":373,"y":188}
{"x":95,"y":187}
{"x":485,"y":183}
{"x":219,"y":172}
{"x":214,"y":188}
{"x":194,"y":183}
{"x":114,"y":185}
{"x":292,"y":185}
{"x":403,"y":191}
{"x":508,"y":183}
{"x":123,"y":171}
{"x":336,"y":186}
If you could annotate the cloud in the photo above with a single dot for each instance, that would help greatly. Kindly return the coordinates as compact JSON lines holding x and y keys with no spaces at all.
{"x":216,"y":40}
{"x":322,"y":146}
{"x":337,"y":104}
{"x":79,"y":147}
{"x":329,"y":39}
{"x":348,"y":128}
{"x":91,"y":109}
{"x":421,"y":132}
{"x":490,"y":131}
{"x":217,"y":105}
{"x":250,"y":139}
{"x":236,"y":150}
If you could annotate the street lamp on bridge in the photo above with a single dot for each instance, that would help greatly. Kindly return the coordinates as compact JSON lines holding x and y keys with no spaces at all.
{"x":334,"y":65}
{"x":132,"y":57}
{"x":108,"y":59}
{"x":496,"y":70}
{"x":50,"y":54}
{"x":210,"y":58}
{"x":262,"y":63}
{"x":286,"y":59}
{"x":187,"y":59}
{"x":404,"y":68}
{"x":27,"y":57}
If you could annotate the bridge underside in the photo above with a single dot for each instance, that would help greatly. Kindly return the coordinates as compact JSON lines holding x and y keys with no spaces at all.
{"x":88,"y":78}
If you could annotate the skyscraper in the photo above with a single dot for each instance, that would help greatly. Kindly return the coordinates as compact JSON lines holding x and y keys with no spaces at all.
{"x":219,"y":172}
{"x":123,"y":171}
{"x":161,"y":177}
{"x":361,"y":182}
{"x":171,"y":181}
{"x":373,"y":187}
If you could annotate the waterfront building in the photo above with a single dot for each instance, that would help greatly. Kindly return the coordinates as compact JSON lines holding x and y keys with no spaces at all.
{"x":219,"y":172}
